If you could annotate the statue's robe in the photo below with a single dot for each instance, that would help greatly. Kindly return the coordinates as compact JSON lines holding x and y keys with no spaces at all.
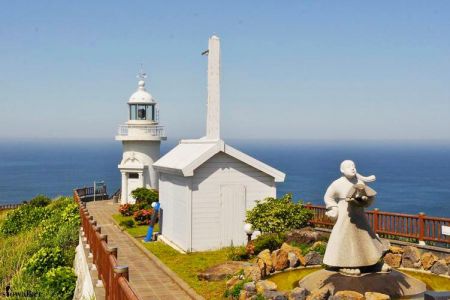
{"x":352,"y":242}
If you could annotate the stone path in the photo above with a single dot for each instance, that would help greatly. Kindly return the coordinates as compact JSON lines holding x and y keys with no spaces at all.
{"x":146,"y":278}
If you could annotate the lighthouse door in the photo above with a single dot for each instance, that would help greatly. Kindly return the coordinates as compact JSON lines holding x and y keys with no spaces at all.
{"x":232,"y":202}
{"x":133,"y":183}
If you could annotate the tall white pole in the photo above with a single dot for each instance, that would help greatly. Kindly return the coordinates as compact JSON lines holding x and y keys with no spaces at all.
{"x":213,"y":114}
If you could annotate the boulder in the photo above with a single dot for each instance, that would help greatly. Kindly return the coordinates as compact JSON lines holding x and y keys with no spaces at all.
{"x":288,"y":248}
{"x":347,"y":295}
{"x":293,"y":260}
{"x":393,"y":260}
{"x":428,"y":259}
{"x":305,"y":235}
{"x":274,"y":295}
{"x":440,"y":267}
{"x":298,"y":294}
{"x":411,"y":257}
{"x":447,"y":260}
{"x":319,"y":294}
{"x":221,"y":271}
{"x":252,"y":272}
{"x":396,"y":249}
{"x":376,"y":296}
{"x":265,"y":285}
{"x":250,"y":287}
{"x":264,"y":262}
{"x":280,"y":260}
{"x":313,"y":258}
{"x":243,"y":295}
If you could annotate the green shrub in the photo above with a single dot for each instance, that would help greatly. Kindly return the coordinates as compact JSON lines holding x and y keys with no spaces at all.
{"x":278,"y":215}
{"x":271,"y":241}
{"x":145,"y":197}
{"x":40,"y":201}
{"x":44,"y":260}
{"x":22,"y":218}
{"x":237,"y":253}
{"x":235,"y":290}
{"x":60,"y":282}
{"x":127,"y":209}
{"x":127,"y":223}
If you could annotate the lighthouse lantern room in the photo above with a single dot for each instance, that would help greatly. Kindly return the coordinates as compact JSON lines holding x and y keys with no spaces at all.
{"x":141,"y":138}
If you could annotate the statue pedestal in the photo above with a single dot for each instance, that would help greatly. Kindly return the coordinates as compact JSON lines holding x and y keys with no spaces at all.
{"x":394,"y":283}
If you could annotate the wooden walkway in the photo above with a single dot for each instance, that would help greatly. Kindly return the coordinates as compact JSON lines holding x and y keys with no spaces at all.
{"x":146,"y":278}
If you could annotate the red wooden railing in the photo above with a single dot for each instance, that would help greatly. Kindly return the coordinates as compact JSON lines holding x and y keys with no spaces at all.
{"x":419,"y":227}
{"x":114,"y":277}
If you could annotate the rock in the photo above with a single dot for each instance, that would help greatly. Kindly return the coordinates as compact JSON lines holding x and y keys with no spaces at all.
{"x":319,"y":244}
{"x":428,"y":259}
{"x":347,"y":295}
{"x":393,"y":260}
{"x":288,"y":248}
{"x":319,"y":294}
{"x":250,"y":287}
{"x":376,"y":296}
{"x":440,"y":267}
{"x":265,"y":285}
{"x":243,"y":295}
{"x":298,"y":294}
{"x":222,"y":271}
{"x":252,"y":272}
{"x":293,"y":260}
{"x":411,"y":257}
{"x":447,"y":260}
{"x":305,"y":235}
{"x":232,"y":281}
{"x":280,"y":260}
{"x":264,"y":262}
{"x":313,"y":258}
{"x":396,"y":249}
{"x":275,"y":295}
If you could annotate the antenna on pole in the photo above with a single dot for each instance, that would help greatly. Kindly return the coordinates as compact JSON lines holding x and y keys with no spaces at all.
{"x":141,"y":75}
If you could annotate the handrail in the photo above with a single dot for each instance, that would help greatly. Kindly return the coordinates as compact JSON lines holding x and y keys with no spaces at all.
{"x":420,"y":227}
{"x":10,"y":206}
{"x":116,"y":283}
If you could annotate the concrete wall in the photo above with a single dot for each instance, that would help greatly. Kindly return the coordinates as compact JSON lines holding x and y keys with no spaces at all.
{"x":84,"y":288}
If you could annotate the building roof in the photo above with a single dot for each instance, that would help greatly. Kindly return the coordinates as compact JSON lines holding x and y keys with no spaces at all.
{"x":188,"y":155}
{"x":141,"y":96}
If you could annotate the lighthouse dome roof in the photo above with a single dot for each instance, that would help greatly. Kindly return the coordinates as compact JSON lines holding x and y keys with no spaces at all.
{"x":141,"y":96}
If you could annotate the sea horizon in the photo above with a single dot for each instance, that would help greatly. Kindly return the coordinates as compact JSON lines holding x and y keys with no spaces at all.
{"x":412,"y":175}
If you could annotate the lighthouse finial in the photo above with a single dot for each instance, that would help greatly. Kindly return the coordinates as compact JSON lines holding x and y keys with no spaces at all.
{"x":141,"y":75}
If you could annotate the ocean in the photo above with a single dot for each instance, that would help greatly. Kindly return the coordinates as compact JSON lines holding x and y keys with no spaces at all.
{"x":412,"y":177}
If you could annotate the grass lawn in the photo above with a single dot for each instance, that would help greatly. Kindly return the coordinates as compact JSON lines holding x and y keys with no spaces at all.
{"x":188,"y":265}
{"x":137,"y":230}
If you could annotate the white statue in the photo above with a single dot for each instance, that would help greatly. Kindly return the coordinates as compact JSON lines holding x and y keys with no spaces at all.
{"x":352,"y":243}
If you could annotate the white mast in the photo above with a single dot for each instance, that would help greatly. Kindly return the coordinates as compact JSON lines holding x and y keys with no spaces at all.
{"x":213,"y":114}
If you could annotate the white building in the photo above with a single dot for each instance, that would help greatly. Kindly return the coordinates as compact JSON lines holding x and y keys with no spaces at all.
{"x":141,"y":139}
{"x":206,"y":186}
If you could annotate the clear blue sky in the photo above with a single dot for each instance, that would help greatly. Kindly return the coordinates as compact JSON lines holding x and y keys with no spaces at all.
{"x":290,"y":69}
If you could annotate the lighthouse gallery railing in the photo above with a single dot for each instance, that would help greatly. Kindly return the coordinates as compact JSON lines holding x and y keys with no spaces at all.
{"x":127,"y":130}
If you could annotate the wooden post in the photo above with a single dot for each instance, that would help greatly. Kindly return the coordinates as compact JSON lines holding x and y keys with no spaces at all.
{"x":421,"y":224}
{"x":375,"y":219}
{"x":112,"y":251}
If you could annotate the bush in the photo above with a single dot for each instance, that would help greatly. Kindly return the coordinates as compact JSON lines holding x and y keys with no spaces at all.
{"x":127,"y":223}
{"x":60,"y":282}
{"x":127,"y":209}
{"x":22,"y":218}
{"x":143,"y":216}
{"x":44,"y":260}
{"x":237,"y":253}
{"x":40,"y":201}
{"x":271,"y":241}
{"x":145,"y":196}
{"x":278,"y":215}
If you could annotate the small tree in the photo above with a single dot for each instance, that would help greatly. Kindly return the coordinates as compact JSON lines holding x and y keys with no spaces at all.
{"x":145,"y":197}
{"x":273,"y":215}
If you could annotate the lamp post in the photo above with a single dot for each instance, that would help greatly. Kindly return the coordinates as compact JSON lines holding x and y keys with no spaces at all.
{"x":248,"y":228}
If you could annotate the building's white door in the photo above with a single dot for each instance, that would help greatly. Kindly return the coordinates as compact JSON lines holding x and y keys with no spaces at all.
{"x":133,"y":183}
{"x":232,"y":202}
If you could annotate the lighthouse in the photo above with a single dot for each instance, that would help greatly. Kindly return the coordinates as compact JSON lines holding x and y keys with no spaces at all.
{"x":141,"y":138}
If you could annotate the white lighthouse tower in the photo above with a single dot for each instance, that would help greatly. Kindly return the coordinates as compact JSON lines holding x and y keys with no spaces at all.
{"x":141,"y":138}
